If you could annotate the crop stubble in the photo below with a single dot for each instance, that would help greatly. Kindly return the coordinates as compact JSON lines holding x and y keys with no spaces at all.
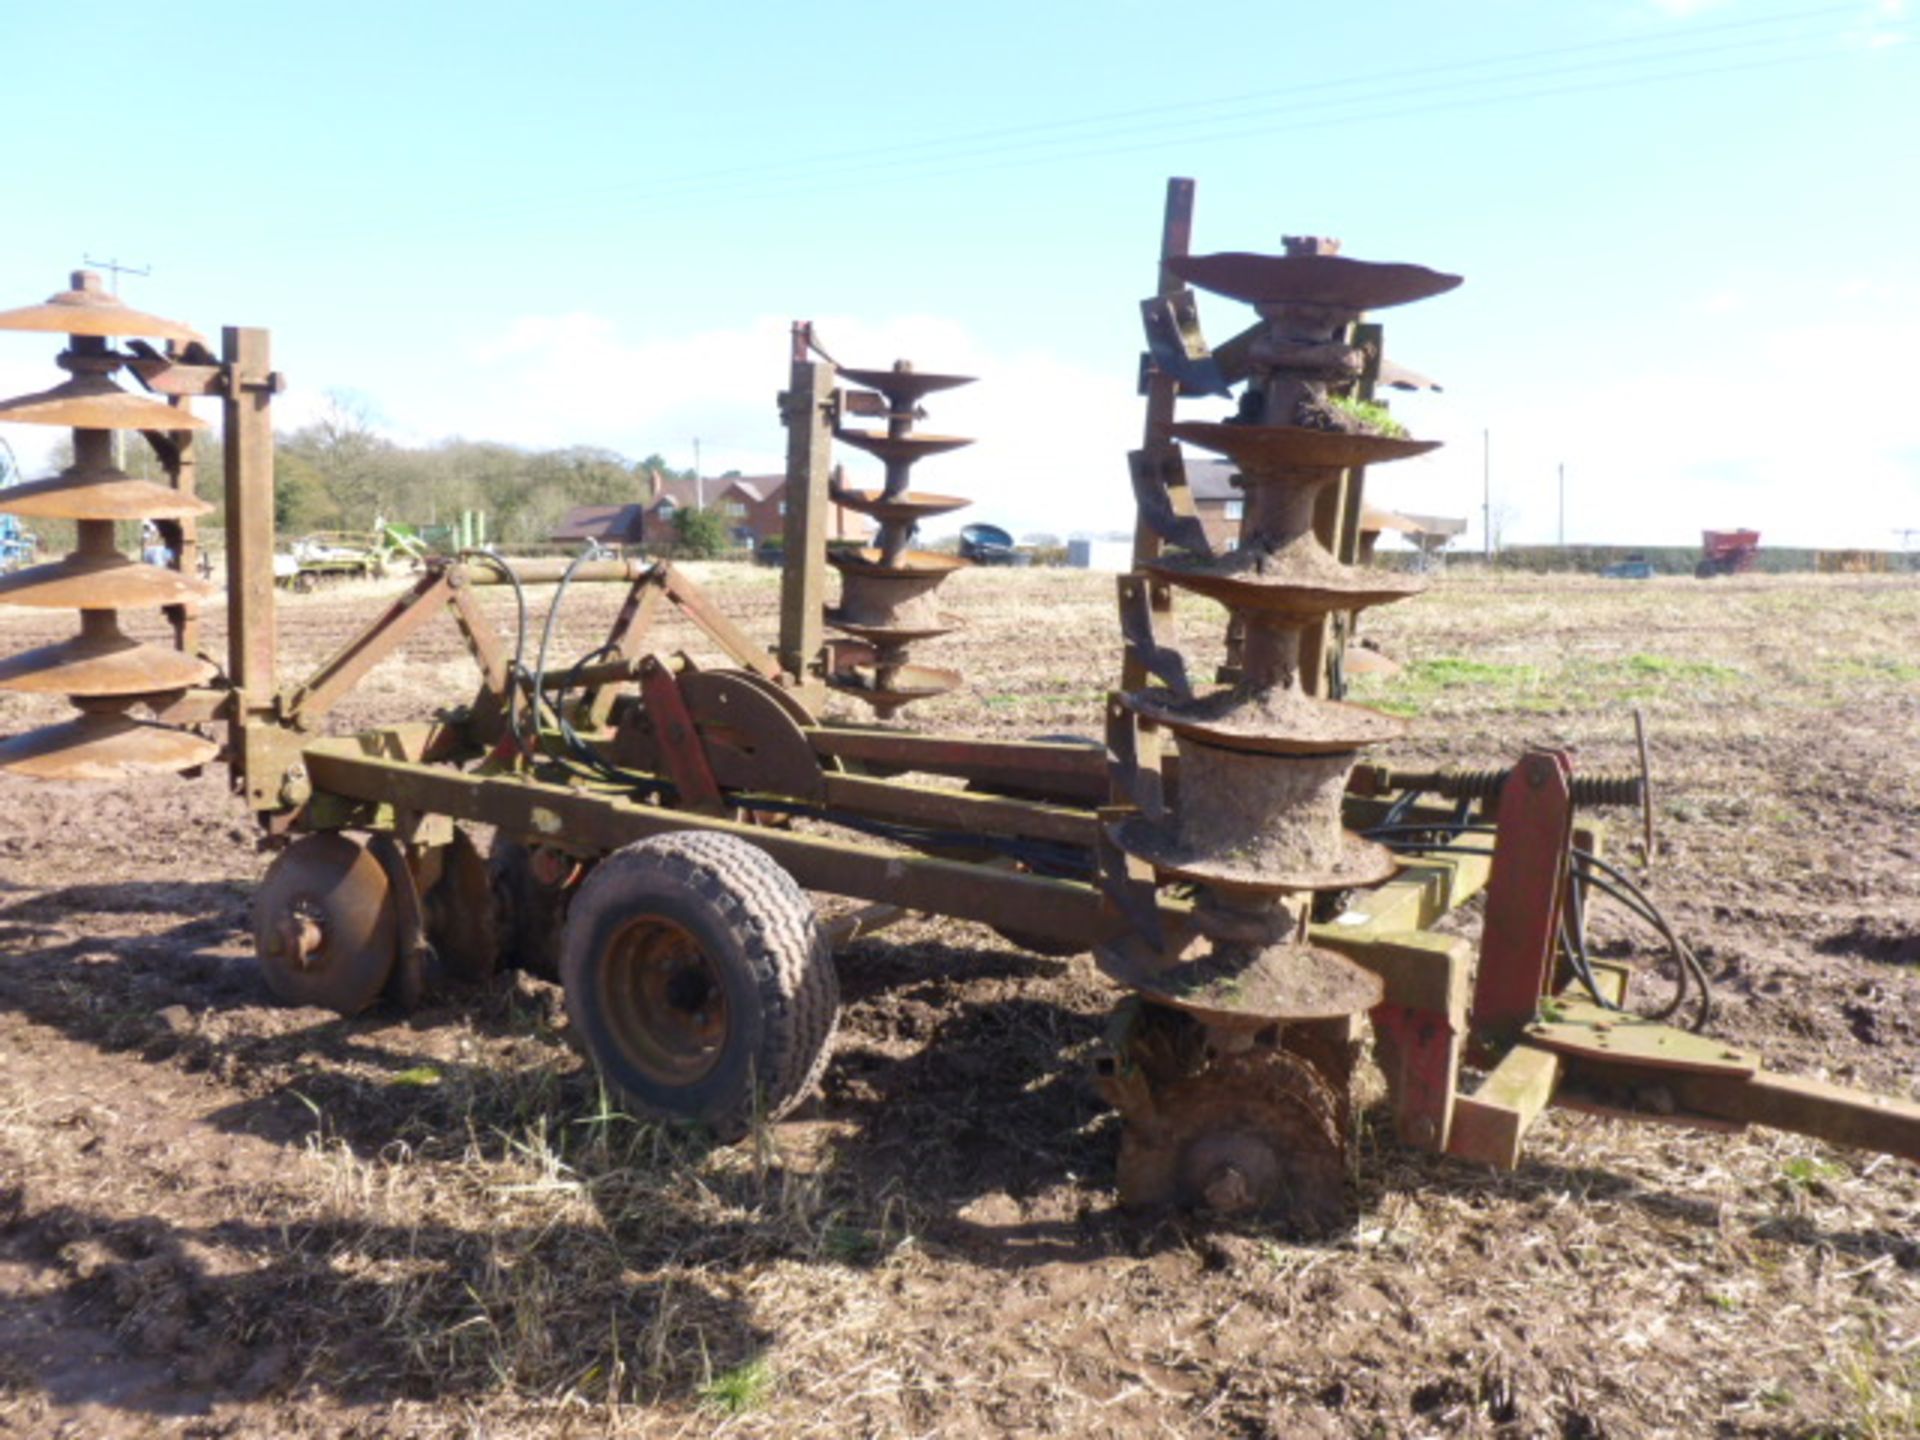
{"x":219,"y":1217}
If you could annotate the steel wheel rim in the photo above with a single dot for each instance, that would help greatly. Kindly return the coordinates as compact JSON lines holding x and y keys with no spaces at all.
{"x":664,"y":1000}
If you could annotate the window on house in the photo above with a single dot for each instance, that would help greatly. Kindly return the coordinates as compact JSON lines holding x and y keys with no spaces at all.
{"x":783,"y":508}
{"x":1234,"y":509}
{"x":666,"y":509}
{"x":735,"y":507}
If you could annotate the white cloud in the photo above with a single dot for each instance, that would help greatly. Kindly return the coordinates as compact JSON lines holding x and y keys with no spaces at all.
{"x":1050,"y":437}
{"x":21,"y":373}
{"x":1798,"y":431}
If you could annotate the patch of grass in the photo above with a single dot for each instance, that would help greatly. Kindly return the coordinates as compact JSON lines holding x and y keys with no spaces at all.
{"x":1885,"y":1392}
{"x":1370,"y":416}
{"x":1809,"y":1172}
{"x":1873,"y":667}
{"x":1414,"y":690}
{"x":1665,"y":667}
{"x":744,"y":1388}
{"x":1450,"y":672}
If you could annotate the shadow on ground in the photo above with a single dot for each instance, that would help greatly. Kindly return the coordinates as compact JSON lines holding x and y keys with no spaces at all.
{"x":956,"y":1114}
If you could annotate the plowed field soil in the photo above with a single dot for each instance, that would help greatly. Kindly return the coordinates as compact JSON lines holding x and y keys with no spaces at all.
{"x":221,"y":1217}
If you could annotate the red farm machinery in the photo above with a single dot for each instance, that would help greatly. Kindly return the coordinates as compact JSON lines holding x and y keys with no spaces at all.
{"x":1726,"y":552}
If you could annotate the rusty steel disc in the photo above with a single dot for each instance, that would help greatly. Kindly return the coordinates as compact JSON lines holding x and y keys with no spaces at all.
{"x":104,"y":747}
{"x":907,"y":507}
{"x":1258,"y":448}
{"x":1362,"y":862}
{"x":1254,"y":1134}
{"x":894,"y":634}
{"x":86,"y":583}
{"x":866,"y":560}
{"x":901,"y":447}
{"x":94,"y":402}
{"x":87,"y":309}
{"x":1238,"y":720}
{"x":117,"y":665}
{"x":1240,"y":580}
{"x":1243,"y":987}
{"x":323,"y":925}
{"x":1336,"y":281}
{"x":105,"y":495}
{"x":1400,"y":377}
{"x":1364,"y":660}
{"x":462,"y":915}
{"x":903,"y":387}
{"x":908,"y":682}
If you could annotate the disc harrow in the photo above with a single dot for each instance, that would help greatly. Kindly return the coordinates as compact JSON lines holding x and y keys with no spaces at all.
{"x":887,"y":589}
{"x":661,"y":826}
{"x":106,"y":673}
{"x":1257,"y":823}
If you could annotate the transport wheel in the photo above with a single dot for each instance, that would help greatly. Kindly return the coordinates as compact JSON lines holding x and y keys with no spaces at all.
{"x":530,"y":897}
{"x":699,"y":980}
{"x":305,"y":582}
{"x":323,"y":924}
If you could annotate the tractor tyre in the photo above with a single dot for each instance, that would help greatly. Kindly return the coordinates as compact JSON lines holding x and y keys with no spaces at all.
{"x":699,"y":981}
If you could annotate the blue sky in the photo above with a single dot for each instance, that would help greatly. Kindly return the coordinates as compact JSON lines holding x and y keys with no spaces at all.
{"x":1689,"y":229}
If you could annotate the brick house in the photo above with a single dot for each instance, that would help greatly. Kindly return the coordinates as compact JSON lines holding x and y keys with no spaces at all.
{"x":753,"y":506}
{"x":755,"y":509}
{"x":1216,"y":500}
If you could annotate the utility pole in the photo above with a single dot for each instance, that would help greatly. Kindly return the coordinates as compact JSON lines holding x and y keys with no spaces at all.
{"x":116,"y":269}
{"x":1563,"y":504}
{"x":1486,"y":491}
{"x":113,"y":267}
{"x":699,"y":486}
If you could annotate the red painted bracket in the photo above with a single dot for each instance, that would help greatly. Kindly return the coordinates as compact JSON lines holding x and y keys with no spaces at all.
{"x":681,"y":751}
{"x":1525,"y":893}
{"x":1420,"y":1052}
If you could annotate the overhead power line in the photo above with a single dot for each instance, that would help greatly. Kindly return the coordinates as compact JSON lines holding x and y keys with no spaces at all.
{"x":1623,"y":62}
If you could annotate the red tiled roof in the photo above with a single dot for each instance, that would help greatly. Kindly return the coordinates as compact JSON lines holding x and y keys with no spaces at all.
{"x":615,"y":524}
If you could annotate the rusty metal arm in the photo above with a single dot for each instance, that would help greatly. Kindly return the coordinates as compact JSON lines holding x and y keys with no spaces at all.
{"x":1064,"y":772}
{"x":739,"y":646}
{"x":321,"y":690}
{"x":1805,"y":1107}
{"x":594,"y":822}
{"x":957,"y":810}
{"x":486,"y":644}
{"x":1176,"y":239}
{"x":1642,"y":1070}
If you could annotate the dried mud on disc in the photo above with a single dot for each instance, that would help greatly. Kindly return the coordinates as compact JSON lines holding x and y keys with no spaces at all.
{"x":220,"y":1217}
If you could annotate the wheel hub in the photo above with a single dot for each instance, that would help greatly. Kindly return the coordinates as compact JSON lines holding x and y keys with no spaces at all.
{"x":666,"y":1001}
